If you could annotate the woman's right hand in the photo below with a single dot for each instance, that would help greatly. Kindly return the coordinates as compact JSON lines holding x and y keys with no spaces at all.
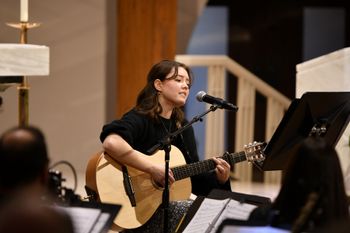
{"x":157,"y":173}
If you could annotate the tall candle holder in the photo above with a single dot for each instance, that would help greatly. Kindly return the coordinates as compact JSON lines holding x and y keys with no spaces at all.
{"x":23,"y":88}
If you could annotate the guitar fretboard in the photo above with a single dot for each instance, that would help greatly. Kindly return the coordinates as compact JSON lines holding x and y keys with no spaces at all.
{"x":188,"y":170}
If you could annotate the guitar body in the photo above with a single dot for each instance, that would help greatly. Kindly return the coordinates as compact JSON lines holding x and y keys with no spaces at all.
{"x":148,"y":196}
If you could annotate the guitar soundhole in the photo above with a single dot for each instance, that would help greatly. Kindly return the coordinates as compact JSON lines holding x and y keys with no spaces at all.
{"x":157,"y":185}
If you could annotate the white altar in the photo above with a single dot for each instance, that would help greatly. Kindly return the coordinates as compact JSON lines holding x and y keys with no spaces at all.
{"x":24,"y":60}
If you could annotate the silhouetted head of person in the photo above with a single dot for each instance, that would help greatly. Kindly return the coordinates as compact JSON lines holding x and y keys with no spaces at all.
{"x":23,"y":158}
{"x":23,"y":181}
{"x":314,"y":168}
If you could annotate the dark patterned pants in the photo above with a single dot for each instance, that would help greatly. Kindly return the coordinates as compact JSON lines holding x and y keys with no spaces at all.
{"x":177,"y":210}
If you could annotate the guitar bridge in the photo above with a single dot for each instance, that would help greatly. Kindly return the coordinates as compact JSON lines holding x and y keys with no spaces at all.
{"x":129,"y":190}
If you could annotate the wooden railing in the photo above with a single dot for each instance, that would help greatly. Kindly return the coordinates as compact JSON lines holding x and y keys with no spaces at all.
{"x":248,"y":85}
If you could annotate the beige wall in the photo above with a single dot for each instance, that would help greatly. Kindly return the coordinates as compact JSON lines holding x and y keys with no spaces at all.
{"x":69,"y":105}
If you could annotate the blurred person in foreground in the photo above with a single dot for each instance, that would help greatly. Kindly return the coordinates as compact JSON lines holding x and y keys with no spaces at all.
{"x":312,"y":195}
{"x":24,"y":177}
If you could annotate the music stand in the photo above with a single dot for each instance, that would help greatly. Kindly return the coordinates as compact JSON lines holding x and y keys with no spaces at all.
{"x":325,"y":114}
{"x":83,"y":215}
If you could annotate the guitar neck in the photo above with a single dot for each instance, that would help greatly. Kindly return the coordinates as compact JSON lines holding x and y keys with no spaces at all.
{"x":188,"y":170}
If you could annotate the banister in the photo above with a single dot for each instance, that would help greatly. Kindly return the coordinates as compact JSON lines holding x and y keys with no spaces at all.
{"x":237,"y":70}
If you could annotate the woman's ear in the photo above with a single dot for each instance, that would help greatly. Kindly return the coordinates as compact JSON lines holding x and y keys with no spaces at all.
{"x":158,"y":85}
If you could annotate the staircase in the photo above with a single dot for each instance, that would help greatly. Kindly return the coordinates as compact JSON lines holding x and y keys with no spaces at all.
{"x":248,"y":85}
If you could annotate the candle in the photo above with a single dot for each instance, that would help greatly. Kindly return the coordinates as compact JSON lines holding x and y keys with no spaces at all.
{"x":24,"y":10}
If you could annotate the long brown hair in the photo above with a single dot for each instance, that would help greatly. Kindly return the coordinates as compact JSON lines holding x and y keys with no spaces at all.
{"x":147,"y":101}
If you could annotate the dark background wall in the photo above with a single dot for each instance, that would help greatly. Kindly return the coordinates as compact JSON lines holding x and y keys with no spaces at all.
{"x":268,"y":37}
{"x":271,"y":37}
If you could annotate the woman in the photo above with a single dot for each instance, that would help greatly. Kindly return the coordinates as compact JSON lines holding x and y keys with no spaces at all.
{"x":158,"y":111}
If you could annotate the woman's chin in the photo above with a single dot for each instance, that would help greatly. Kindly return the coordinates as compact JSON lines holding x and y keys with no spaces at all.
{"x":180,"y":104}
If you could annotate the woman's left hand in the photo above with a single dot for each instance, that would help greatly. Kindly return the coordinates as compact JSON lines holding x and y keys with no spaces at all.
{"x":222,"y":170}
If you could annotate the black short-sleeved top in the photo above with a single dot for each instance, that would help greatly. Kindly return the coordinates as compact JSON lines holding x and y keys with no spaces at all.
{"x":142,"y":133}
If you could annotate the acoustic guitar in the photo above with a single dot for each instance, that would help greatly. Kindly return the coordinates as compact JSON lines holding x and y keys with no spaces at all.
{"x":136,"y":191}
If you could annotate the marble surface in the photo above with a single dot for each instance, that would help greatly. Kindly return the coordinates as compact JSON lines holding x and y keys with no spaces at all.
{"x":24,"y":60}
{"x":330,"y":72}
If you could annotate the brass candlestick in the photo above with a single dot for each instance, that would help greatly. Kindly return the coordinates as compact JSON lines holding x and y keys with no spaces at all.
{"x":23,"y":88}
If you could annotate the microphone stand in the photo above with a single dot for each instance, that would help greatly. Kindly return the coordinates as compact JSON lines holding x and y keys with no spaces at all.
{"x":165,"y":144}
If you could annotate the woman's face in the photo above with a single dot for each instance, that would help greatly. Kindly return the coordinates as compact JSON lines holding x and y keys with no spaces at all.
{"x":174,"y":90}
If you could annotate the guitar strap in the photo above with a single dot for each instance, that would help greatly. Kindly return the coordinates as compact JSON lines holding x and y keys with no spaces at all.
{"x":186,"y":149}
{"x":129,"y":190}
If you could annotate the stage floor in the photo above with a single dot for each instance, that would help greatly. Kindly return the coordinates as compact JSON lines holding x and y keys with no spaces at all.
{"x":254,"y":188}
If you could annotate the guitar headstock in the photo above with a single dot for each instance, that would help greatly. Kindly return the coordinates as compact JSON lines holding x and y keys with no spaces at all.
{"x":254,"y":152}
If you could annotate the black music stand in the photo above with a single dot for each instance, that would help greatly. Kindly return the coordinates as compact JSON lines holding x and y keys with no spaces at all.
{"x":325,"y":114}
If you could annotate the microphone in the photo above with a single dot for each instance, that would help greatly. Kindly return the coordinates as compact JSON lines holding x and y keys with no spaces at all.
{"x":204,"y":97}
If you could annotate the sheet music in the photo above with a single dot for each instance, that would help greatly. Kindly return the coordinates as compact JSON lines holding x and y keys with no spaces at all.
{"x":209,"y":210}
{"x":234,"y":210}
{"x":101,"y":222}
{"x":212,"y":212}
{"x":83,"y":219}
